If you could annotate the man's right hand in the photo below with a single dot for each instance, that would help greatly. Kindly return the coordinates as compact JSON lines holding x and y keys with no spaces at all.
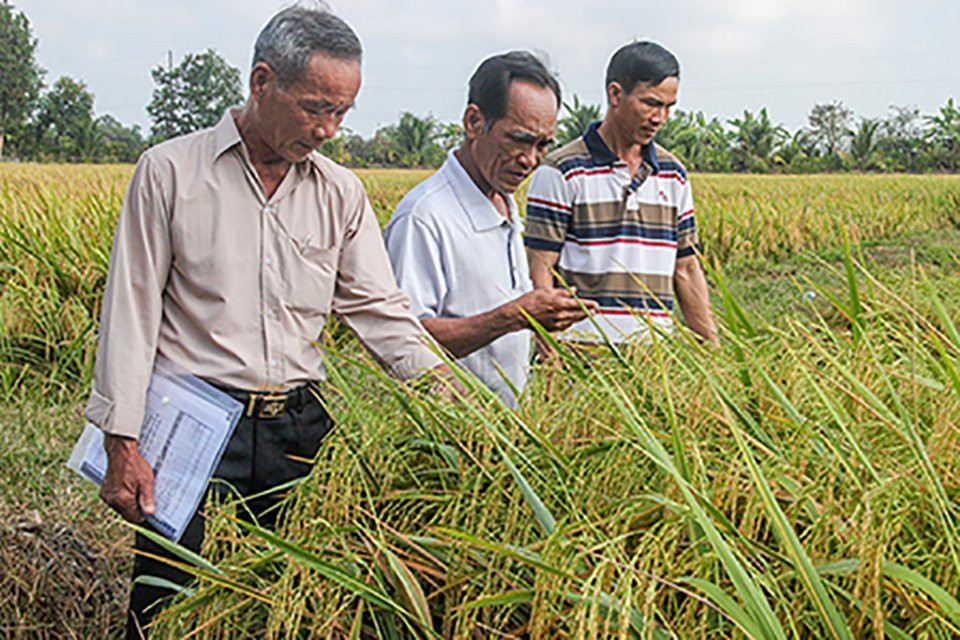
{"x":554,"y":309}
{"x":128,"y":485}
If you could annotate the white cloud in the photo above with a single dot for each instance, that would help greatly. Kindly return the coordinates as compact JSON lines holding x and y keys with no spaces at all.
{"x":416,"y":54}
{"x":522,"y":20}
{"x":97,"y":51}
{"x":724,"y":40}
{"x":755,"y":12}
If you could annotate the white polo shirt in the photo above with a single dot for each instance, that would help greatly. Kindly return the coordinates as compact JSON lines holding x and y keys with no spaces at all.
{"x":456,"y":256}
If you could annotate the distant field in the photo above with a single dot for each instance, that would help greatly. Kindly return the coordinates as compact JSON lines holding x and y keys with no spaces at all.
{"x":799,"y":482}
{"x":59,"y":219}
{"x":740,"y":216}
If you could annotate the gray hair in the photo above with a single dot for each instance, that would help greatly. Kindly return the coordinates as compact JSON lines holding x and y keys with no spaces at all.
{"x":294,"y":35}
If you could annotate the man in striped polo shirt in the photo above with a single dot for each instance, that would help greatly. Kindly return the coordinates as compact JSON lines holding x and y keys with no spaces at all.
{"x":612,"y":212}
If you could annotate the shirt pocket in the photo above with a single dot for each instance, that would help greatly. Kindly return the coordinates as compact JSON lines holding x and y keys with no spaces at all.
{"x":311,"y":278}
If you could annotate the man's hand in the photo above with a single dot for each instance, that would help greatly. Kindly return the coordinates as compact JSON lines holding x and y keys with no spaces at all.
{"x":447,"y":385}
{"x":554,"y":309}
{"x":128,"y":485}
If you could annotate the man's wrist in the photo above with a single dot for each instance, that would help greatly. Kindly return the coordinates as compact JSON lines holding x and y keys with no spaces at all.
{"x":512,"y":319}
{"x":114,"y":444}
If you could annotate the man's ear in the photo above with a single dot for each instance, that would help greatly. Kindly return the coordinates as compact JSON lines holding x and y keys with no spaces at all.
{"x":473,"y":121}
{"x":261,"y":77}
{"x":614,"y":93}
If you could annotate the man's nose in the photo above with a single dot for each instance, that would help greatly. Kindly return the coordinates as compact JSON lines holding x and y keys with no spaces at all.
{"x":326,"y":127}
{"x":530,"y":157}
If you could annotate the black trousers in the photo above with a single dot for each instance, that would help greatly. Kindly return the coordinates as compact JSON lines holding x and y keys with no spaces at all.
{"x":255,"y":460}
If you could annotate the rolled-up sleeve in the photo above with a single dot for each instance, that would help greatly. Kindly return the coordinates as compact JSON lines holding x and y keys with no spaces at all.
{"x":549,"y":210}
{"x":369,"y":301}
{"x":132,"y":305}
{"x":688,"y":241}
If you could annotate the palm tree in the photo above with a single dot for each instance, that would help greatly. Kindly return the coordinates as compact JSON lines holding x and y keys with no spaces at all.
{"x":413,"y":138}
{"x":449,"y":135}
{"x":579,"y":117}
{"x":864,"y":146}
{"x":943,"y":132}
{"x":701,"y":144}
{"x":755,"y":139}
{"x":794,"y":150}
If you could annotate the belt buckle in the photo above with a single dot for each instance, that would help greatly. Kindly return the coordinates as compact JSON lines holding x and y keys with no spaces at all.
{"x":272,"y":406}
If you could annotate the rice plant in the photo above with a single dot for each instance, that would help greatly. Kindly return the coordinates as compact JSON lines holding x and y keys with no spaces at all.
{"x":798,"y":482}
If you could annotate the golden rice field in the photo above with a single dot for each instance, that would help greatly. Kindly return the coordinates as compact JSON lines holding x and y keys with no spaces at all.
{"x":801,"y":481}
{"x":58,"y":227}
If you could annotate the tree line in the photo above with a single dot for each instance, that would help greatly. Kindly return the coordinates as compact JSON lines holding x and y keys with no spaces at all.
{"x":833,"y":140}
{"x":58,"y":123}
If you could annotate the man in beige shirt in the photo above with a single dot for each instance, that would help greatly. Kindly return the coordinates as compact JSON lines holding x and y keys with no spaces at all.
{"x":233,"y":245}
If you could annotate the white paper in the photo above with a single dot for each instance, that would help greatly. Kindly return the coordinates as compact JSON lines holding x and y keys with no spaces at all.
{"x":186,"y":426}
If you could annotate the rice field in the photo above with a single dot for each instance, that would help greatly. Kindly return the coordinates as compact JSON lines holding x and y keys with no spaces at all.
{"x":801,"y":481}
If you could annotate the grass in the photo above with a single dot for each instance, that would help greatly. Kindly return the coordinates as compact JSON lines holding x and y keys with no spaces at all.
{"x":806,"y":492}
{"x":64,"y":561}
{"x":798,"y":482}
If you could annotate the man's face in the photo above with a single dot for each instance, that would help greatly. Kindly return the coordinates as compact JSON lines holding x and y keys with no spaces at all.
{"x":642,"y":112}
{"x":507,"y":152}
{"x":296,"y":119}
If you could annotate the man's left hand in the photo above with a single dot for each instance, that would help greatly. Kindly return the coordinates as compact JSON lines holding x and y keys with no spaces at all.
{"x":128,"y":484}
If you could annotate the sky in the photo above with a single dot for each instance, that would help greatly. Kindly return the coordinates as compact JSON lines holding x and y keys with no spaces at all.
{"x":735,"y":55}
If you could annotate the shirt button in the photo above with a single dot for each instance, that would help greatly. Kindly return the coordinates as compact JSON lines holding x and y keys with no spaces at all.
{"x":269,"y":313}
{"x":274,"y":363}
{"x":268,"y":210}
{"x":267,"y":261}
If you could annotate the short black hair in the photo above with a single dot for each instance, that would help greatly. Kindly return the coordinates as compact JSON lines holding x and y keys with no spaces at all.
{"x":295,"y":34}
{"x":490,"y":83}
{"x":641,"y":62}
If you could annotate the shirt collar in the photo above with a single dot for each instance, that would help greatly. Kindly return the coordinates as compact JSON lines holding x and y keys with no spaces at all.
{"x":481,"y":212}
{"x":316,"y":160}
{"x":226,"y":135}
{"x":603,"y":155}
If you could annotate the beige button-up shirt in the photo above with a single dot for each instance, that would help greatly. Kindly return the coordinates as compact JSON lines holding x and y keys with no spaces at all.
{"x":234,"y":287}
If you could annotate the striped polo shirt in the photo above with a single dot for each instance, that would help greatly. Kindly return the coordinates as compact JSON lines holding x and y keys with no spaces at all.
{"x":618,"y":235}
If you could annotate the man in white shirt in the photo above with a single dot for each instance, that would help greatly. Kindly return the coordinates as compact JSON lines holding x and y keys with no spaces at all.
{"x":455,"y":241}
